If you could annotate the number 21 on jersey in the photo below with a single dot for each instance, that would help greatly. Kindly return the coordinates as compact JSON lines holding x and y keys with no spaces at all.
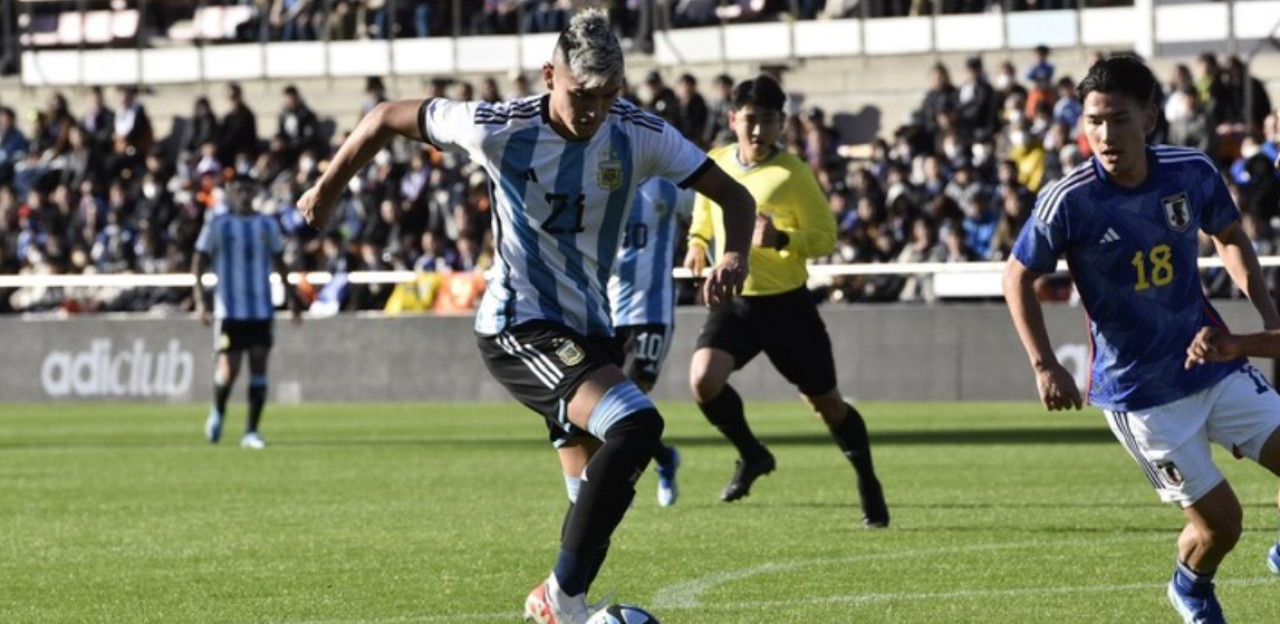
{"x":1155,"y":268}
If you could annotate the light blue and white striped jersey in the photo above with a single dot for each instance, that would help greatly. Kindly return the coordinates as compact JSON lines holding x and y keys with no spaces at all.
{"x":1132,"y":253}
{"x":559,"y":206}
{"x":240,"y":249}
{"x":641,"y":291}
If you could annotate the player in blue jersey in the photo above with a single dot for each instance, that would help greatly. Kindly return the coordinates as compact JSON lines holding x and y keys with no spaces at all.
{"x":565,"y":167}
{"x":243,"y":248}
{"x":1127,"y":222}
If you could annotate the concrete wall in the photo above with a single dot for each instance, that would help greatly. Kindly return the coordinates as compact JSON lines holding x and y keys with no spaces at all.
{"x":882,"y":352}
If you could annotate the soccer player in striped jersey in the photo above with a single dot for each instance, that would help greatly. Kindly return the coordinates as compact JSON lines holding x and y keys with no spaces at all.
{"x":564,"y":168}
{"x":1127,"y":221}
{"x":243,"y":248}
{"x":776,"y":314}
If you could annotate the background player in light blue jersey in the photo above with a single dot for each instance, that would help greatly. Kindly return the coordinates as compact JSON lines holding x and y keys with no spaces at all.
{"x":564,"y":169}
{"x":242,"y":248}
{"x":642,"y":299}
{"x":642,"y":306}
{"x":1127,"y":222}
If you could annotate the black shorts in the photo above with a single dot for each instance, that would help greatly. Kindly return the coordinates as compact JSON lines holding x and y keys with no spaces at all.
{"x":787,"y":327}
{"x":542,"y":364}
{"x":234,"y":335}
{"x":644,"y":348}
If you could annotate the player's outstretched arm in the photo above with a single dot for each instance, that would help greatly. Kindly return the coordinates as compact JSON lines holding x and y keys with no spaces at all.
{"x":739,"y":210}
{"x":1215,"y":345}
{"x":1241,"y":262}
{"x":385,"y":121}
{"x":1057,"y":387}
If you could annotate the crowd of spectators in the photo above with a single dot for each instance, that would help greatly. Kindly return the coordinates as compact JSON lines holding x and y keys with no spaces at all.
{"x":94,"y":191}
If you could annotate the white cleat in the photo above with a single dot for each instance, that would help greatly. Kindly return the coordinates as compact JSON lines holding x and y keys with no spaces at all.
{"x":253,"y":441}
{"x":548,"y":604}
{"x":213,"y":427}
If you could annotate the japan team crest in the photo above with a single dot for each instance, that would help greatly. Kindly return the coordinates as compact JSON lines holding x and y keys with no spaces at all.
{"x":1177,"y":211}
{"x":1170,"y":473}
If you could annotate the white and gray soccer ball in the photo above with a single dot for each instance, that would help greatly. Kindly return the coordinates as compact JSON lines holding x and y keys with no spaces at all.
{"x":623,"y":614}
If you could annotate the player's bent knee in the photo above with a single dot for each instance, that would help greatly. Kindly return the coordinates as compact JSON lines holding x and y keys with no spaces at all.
{"x":705,"y":389}
{"x":829,"y":407}
{"x":624,"y":408}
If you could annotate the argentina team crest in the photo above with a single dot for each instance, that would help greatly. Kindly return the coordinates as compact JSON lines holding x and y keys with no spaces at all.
{"x":609,"y":175}
{"x":1177,"y":211}
{"x":609,"y":171}
{"x":570,"y":353}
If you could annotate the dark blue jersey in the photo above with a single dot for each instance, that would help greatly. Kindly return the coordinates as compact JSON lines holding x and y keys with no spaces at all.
{"x":1133,"y":255}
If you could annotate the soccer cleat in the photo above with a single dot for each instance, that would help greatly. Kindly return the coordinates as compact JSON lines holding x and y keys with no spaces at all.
{"x":213,"y":427}
{"x":547,"y":604}
{"x":668,"y":491}
{"x":745,"y":473}
{"x":1273,"y":559}
{"x":1202,"y":609}
{"x":253,"y":441}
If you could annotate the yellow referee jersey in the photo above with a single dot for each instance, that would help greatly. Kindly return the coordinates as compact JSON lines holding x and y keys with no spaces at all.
{"x":787,"y":192}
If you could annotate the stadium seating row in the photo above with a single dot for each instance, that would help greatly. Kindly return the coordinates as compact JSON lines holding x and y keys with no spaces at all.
{"x":70,"y":28}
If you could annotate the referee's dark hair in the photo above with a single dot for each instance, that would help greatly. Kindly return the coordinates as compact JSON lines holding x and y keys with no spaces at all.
{"x":761,"y":92}
{"x":1125,"y":74}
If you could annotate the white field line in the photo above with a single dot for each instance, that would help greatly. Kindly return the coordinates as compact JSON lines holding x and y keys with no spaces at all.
{"x":687,"y":595}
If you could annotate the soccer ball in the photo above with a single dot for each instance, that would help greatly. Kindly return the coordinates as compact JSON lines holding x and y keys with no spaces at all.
{"x":623,"y":614}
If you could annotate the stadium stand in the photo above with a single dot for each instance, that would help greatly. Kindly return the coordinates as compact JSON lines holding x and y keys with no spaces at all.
{"x":905,"y":186}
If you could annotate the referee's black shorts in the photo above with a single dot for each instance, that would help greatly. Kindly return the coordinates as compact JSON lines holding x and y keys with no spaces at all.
{"x":542,"y":363}
{"x":786,"y":327}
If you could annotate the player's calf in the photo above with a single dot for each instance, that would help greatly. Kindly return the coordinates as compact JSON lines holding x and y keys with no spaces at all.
{"x":631,"y":429}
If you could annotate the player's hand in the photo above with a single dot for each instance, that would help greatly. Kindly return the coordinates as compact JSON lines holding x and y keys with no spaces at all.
{"x":765,"y":235}
{"x":726,"y":278}
{"x":202,"y":313}
{"x":1058,"y":389}
{"x":315,"y":208}
{"x":1212,"y":345}
{"x":695,"y":260}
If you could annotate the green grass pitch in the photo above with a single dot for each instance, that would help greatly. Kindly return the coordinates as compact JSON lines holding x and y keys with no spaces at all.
{"x":398,"y":513}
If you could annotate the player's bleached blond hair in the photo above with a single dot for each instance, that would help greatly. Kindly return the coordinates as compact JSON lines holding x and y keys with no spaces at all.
{"x":590,"y":50}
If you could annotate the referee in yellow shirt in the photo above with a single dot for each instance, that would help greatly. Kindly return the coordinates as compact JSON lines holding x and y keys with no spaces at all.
{"x":775,"y":313}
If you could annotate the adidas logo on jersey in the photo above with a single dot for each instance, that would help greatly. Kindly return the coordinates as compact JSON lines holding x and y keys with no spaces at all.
{"x":1109,"y":237}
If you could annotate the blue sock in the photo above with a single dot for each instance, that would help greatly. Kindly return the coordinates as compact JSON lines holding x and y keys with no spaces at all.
{"x":1191,"y":582}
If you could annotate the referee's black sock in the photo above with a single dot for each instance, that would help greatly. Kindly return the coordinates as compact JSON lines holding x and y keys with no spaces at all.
{"x":726,"y":413}
{"x":257,"y":398}
{"x":852,"y":438}
{"x":608,"y":486}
